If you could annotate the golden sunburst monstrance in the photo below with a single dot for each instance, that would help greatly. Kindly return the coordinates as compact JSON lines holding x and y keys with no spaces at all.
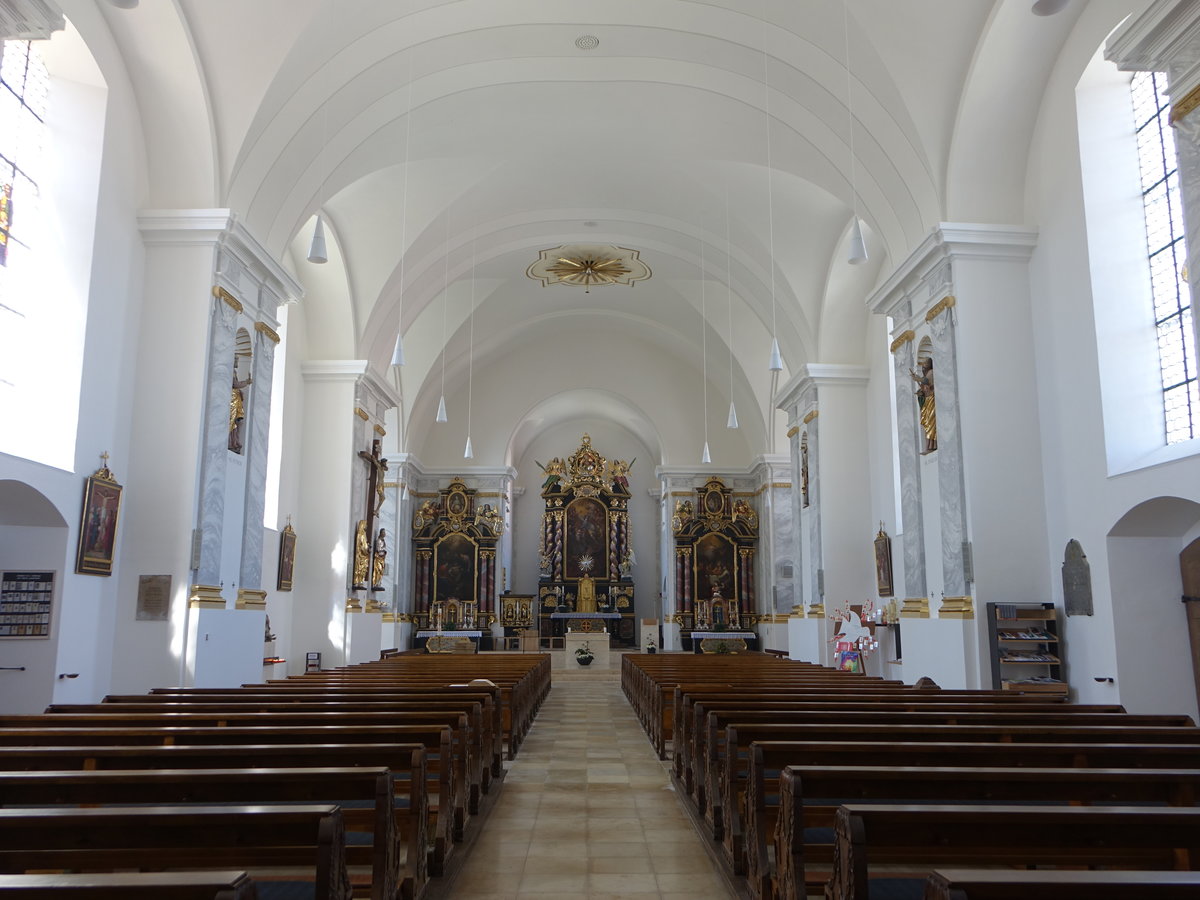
{"x":587,"y":265}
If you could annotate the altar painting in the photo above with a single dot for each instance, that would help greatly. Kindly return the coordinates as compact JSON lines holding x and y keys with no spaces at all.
{"x":715,"y":567}
{"x":454,"y":566}
{"x":586,"y":538}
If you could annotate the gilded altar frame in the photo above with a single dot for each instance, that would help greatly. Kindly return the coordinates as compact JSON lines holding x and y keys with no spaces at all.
{"x":586,"y":535}
{"x":454,"y":557}
{"x":716,"y":539}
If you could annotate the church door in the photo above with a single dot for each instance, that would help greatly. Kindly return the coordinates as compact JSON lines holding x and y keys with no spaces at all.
{"x":1189,"y":566}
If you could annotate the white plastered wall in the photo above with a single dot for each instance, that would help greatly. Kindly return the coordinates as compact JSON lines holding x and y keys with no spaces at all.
{"x":1082,"y":500}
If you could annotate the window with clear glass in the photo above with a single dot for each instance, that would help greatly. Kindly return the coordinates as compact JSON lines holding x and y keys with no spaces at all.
{"x":1167,"y":251}
{"x":24,"y":92}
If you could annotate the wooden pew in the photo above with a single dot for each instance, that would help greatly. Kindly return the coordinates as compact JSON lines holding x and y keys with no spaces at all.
{"x":415,"y":824}
{"x":809,"y":795}
{"x":443,"y":785}
{"x":726,"y":772}
{"x":701,"y":746}
{"x":920,"y":838}
{"x":130,"y":886}
{"x":309,"y":839}
{"x":1000,"y":884}
{"x":481,"y":738}
{"x":490,"y":699}
{"x":391,"y":868}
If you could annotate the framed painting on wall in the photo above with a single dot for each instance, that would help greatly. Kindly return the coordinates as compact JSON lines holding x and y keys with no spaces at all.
{"x":883,"y":563}
{"x":287,"y":558}
{"x":98,"y":523}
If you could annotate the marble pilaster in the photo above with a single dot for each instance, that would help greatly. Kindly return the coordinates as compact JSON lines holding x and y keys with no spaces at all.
{"x":908,"y":434}
{"x":795,"y":548}
{"x":814,"y":575}
{"x":258,"y":418}
{"x":951,"y":484}
{"x":215,"y":437}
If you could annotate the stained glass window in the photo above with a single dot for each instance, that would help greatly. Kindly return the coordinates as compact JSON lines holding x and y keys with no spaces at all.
{"x":1167,"y":251}
{"x":24,"y":86}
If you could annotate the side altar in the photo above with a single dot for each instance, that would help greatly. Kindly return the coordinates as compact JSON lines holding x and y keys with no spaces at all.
{"x":454,"y":556}
{"x":586,"y":563}
{"x":716,"y":537}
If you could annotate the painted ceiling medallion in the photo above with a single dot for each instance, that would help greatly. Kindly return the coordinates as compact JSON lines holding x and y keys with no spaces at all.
{"x":587,"y":265}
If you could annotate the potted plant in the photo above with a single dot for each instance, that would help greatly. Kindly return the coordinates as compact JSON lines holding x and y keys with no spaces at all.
{"x":650,"y":648}
{"x":583,"y":655}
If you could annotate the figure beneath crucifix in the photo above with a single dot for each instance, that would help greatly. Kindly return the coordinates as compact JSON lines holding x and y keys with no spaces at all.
{"x":237,"y":412}
{"x":362,"y":556}
{"x":378,"y":560}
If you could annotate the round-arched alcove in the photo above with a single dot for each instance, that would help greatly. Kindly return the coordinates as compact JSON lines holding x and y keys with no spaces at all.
{"x":33,"y":539}
{"x":1154,"y":654}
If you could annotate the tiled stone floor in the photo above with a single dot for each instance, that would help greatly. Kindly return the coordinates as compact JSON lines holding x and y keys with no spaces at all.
{"x":588,"y":811}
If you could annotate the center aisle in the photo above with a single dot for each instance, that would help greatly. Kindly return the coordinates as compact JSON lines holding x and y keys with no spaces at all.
{"x":587,"y":810}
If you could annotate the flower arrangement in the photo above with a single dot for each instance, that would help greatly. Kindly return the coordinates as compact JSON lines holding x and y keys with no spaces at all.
{"x":583,"y":655}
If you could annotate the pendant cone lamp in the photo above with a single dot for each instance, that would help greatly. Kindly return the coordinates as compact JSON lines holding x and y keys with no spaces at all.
{"x":732,"y":421}
{"x":468,"y":453}
{"x":706,"y":457}
{"x":857,"y":254}
{"x":398,"y":352}
{"x":441,"y":413}
{"x":316,"y":250}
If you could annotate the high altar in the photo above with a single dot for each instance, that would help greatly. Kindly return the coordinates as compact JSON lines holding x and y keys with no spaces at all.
{"x":586,"y":581}
{"x":716,"y":536}
{"x":454,"y":549}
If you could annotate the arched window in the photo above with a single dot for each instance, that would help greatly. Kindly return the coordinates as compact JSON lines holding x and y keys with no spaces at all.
{"x":23,"y":96}
{"x":1167,"y":252}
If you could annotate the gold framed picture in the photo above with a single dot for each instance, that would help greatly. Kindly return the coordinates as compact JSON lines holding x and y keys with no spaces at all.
{"x":287,"y":558}
{"x":98,"y":523}
{"x":883,"y":564}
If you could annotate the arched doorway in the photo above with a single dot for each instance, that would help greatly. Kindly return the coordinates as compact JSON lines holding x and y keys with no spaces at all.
{"x":33,"y":539}
{"x":1154,"y":654}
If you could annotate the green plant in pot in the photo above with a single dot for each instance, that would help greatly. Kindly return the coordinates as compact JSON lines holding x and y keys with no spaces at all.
{"x":583,"y":655}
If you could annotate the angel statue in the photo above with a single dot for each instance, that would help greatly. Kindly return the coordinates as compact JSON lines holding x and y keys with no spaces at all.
{"x":555,"y":469}
{"x":683,"y":514}
{"x":619,"y":472}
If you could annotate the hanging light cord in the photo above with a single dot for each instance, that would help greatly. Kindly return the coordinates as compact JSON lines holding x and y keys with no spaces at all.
{"x":445,"y":299}
{"x":850,"y":110}
{"x":471,"y":351}
{"x":704,"y":338}
{"x":404,"y":196}
{"x":729,"y":289}
{"x":770,"y":170}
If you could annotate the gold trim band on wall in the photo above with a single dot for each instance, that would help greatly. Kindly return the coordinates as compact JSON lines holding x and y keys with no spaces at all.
{"x":265,"y":329}
{"x":940,"y":307}
{"x":222,"y":294}
{"x":361,"y":413}
{"x":812,"y":415}
{"x":1187,"y":103}
{"x":902,"y":339}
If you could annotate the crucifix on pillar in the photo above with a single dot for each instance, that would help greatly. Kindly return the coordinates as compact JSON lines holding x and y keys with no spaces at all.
{"x":366,"y":566}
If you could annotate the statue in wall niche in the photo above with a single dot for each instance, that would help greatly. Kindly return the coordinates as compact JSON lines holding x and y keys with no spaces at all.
{"x":804,"y":471}
{"x":362,"y":556}
{"x":926,"y":403}
{"x":237,"y":412}
{"x":378,"y":560}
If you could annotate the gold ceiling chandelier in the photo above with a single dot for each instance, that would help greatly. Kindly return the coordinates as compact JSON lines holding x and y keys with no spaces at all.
{"x":588,"y":265}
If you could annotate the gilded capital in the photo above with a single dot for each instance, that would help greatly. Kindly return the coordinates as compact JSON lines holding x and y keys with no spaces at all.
{"x":940,"y":307}
{"x":266,"y":331}
{"x":1185,"y":105}
{"x":221,"y":294}
{"x":902,"y":339}
{"x":812,"y":415}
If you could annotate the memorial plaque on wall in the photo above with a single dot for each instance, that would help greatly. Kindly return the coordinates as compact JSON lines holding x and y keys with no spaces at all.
{"x":25,"y":599}
{"x":153,"y":598}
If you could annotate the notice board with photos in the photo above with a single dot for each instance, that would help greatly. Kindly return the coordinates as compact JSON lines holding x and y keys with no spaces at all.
{"x":25,"y":602}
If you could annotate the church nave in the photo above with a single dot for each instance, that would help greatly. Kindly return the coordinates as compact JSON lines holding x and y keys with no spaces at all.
{"x":587,"y":811}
